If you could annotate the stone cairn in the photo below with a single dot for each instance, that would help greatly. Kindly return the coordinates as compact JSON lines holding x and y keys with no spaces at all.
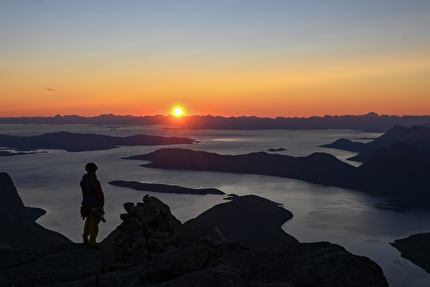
{"x":145,"y":233}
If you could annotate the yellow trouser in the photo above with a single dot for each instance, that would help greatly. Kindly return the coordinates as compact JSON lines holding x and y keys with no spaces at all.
{"x":91,"y":228}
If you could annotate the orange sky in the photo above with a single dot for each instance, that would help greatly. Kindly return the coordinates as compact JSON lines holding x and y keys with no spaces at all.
{"x":277,"y":60}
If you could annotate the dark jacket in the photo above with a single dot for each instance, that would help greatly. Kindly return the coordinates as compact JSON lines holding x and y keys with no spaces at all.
{"x":91,"y":191}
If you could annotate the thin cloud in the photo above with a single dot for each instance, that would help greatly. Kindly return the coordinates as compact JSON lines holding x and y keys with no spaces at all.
{"x":49,"y":89}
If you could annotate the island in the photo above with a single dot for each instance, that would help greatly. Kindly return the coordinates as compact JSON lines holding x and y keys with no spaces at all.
{"x":399,"y":172}
{"x":75,"y":142}
{"x":165,"y":188}
{"x":276,"y":149}
{"x":247,"y":219}
{"x":415,"y":248}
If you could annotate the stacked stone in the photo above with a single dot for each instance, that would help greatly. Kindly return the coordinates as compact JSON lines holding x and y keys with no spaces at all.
{"x":144,"y":233}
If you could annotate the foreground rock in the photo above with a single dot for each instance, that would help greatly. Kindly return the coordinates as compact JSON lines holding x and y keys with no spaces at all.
{"x":209,"y":263}
{"x":17,"y":223}
{"x":48,"y":264}
{"x":415,"y":248}
{"x":145,"y":250}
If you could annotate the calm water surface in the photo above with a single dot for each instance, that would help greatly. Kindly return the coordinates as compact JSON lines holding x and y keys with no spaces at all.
{"x":50,"y":180}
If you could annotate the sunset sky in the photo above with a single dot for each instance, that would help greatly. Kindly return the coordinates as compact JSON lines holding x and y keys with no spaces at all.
{"x":228,"y":58}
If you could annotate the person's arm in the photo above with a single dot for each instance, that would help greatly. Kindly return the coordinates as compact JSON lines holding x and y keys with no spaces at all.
{"x":98,"y":188}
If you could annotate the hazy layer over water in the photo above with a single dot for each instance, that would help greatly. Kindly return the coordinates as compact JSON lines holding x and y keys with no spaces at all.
{"x":51,"y":181}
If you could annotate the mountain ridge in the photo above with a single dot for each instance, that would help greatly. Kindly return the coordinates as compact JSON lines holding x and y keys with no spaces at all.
{"x":368,"y":122}
{"x":418,"y":136}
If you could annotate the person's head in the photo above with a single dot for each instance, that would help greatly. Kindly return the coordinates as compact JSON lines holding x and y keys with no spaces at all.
{"x":91,"y":167}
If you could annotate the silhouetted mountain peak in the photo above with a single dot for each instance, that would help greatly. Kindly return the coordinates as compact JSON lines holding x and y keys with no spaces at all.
{"x":17,"y":225}
{"x":399,"y":153}
{"x":11,"y":206}
{"x":418,"y":136}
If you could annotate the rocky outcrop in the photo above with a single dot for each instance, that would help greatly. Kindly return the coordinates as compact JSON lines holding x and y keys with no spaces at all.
{"x":145,"y":250}
{"x":144,"y":233}
{"x":415,"y":248}
{"x":416,"y":135}
{"x":149,"y":228}
{"x":17,"y":223}
{"x":194,"y":262}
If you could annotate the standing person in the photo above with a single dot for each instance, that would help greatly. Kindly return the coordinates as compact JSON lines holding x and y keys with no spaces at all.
{"x":92,"y":204}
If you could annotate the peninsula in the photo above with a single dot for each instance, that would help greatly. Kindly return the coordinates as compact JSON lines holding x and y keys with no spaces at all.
{"x":399,"y":172}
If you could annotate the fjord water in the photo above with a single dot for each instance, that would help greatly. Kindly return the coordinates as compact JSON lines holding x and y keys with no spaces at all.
{"x":361,"y":223}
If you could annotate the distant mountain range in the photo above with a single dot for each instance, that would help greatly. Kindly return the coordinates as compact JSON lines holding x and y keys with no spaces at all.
{"x":369,"y":122}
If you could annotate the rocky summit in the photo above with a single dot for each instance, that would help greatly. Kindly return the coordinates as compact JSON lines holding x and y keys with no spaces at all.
{"x":146,"y":250}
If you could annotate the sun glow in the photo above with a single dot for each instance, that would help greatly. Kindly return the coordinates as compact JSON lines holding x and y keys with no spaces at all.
{"x":177,"y":111}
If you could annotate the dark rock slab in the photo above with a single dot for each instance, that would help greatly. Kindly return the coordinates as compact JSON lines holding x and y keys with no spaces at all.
{"x":164,"y":188}
{"x":49,"y":264}
{"x":204,"y":263}
{"x":415,"y":248}
{"x":302,"y":264}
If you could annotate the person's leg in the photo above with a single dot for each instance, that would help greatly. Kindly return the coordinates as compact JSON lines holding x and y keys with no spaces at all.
{"x":87,"y":226}
{"x":94,"y":231}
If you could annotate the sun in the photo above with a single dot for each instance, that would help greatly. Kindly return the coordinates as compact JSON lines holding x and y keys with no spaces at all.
{"x":177,"y":111}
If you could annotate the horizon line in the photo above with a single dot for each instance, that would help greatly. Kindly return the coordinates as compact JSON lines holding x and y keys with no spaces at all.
{"x":209,"y":115}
